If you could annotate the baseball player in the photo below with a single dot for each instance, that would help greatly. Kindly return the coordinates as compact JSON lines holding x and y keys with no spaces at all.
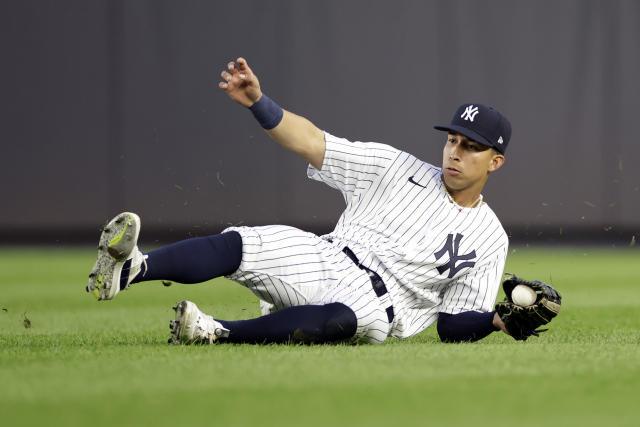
{"x":416,"y":243}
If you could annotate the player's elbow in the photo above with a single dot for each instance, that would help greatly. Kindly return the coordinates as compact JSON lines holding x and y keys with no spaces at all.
{"x":317,"y":148}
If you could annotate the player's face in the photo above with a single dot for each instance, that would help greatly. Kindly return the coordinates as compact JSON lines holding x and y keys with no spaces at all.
{"x":466,"y":163}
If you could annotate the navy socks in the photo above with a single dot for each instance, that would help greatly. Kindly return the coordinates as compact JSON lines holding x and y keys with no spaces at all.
{"x":204,"y":258}
{"x":304,"y":324}
{"x":194,"y":260}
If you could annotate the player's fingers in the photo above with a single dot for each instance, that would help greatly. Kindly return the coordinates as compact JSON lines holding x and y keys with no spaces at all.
{"x":225,"y":75}
{"x":242,"y":65}
{"x":223,"y":85}
{"x":232,"y":67}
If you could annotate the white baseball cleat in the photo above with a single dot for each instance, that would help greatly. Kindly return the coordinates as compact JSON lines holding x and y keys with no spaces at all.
{"x":119,"y":259}
{"x":193,"y":326}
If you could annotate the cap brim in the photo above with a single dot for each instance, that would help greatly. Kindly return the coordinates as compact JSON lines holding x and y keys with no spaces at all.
{"x":468,"y":133}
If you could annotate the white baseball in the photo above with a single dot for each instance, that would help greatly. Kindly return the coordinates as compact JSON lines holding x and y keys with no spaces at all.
{"x":523,"y":295}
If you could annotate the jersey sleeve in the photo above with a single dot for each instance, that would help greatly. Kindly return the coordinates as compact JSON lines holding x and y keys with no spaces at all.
{"x":351,"y":167}
{"x":476,"y":290}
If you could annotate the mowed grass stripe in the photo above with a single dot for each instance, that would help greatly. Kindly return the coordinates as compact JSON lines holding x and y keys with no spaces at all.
{"x":89,"y":363}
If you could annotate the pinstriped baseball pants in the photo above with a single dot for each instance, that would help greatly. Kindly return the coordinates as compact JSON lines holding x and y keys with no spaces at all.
{"x":285,"y":267}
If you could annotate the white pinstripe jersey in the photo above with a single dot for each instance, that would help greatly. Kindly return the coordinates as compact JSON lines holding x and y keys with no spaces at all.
{"x":400,"y":221}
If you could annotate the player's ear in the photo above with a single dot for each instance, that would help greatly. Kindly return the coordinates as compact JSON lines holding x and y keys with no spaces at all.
{"x":497,"y":160}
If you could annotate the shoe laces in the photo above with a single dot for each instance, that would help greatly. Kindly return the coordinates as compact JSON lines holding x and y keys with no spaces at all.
{"x":144,"y":262}
{"x":137,"y":260}
{"x":207,"y":327}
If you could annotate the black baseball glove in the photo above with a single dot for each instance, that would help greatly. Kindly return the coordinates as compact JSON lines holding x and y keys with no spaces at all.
{"x":522,"y":322}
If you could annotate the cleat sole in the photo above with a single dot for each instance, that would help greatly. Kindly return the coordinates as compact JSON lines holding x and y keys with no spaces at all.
{"x":115,"y":246}
{"x":177,"y":325}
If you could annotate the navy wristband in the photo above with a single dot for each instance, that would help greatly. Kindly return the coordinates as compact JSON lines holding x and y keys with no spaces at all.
{"x":268,"y":113}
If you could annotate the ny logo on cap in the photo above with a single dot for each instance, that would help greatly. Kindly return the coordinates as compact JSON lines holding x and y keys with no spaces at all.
{"x":500,"y":140}
{"x":469,"y":113}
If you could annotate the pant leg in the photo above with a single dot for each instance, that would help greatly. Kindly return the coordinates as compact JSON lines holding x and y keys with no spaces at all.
{"x":286,"y":267}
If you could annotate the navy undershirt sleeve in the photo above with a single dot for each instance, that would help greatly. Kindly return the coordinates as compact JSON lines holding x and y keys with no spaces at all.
{"x":465,"y":326}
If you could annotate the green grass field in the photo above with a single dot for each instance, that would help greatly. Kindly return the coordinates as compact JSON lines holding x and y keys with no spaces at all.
{"x":85,"y":363}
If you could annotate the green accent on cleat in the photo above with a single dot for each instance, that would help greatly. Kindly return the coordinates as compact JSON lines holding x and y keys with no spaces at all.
{"x":117,"y":244}
{"x":116,"y":239}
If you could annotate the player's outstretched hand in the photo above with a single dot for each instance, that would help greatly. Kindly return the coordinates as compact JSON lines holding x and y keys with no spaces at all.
{"x":240,"y":83}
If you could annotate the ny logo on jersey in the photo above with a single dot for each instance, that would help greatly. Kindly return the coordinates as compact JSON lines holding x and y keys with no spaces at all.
{"x":469,"y":113}
{"x":451,"y":246}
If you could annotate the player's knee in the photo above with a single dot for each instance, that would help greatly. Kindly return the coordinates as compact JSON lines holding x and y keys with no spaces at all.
{"x":341,"y":322}
{"x":327,"y":323}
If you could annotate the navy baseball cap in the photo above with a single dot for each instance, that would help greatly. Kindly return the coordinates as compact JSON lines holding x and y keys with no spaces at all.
{"x":482,"y":124}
